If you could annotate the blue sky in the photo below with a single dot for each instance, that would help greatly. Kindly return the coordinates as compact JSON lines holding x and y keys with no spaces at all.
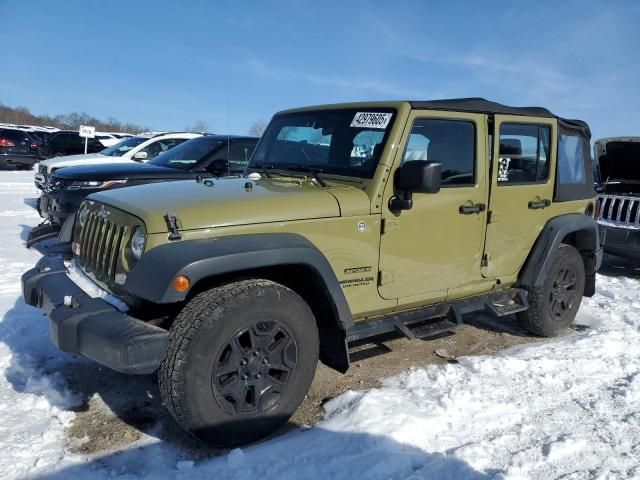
{"x":167,"y":64}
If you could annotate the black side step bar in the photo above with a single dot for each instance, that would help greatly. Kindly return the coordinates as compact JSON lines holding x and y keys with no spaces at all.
{"x":416,"y":323}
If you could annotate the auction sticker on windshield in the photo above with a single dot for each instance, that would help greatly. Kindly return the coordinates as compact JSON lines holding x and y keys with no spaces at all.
{"x":371,"y":120}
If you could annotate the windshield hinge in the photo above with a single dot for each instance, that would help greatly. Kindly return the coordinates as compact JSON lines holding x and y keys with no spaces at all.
{"x":173,"y":224}
{"x":485,"y":260}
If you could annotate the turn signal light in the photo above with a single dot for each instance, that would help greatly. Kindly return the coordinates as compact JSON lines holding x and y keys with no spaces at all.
{"x":181,"y":283}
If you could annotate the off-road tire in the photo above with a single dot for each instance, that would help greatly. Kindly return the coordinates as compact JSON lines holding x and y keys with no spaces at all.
{"x":206,"y":330}
{"x":544,"y":317}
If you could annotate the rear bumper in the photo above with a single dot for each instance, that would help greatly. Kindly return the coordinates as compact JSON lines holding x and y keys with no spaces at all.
{"x":13,"y":159}
{"x":91,"y":327}
{"x":623,"y":242}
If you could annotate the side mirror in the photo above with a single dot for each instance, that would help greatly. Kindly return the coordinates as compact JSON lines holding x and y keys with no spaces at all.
{"x":418,"y":176}
{"x":141,"y":155}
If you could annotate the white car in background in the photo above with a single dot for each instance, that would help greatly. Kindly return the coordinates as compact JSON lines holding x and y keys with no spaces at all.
{"x":107,"y":139}
{"x":139,"y":148}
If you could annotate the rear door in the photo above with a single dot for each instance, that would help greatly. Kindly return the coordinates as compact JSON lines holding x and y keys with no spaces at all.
{"x":524,"y":152}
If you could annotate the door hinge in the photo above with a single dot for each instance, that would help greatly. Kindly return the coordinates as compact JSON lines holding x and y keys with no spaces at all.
{"x":485,"y":260}
{"x":388,"y":224}
{"x":385,"y":277}
{"x":489,"y":216}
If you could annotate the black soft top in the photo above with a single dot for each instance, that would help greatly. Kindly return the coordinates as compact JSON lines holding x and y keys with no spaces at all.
{"x":481,"y":105}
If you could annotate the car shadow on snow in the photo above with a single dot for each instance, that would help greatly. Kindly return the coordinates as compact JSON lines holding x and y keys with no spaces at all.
{"x":31,"y":202}
{"x":313,"y":453}
{"x":613,"y":266}
{"x":72,"y":383}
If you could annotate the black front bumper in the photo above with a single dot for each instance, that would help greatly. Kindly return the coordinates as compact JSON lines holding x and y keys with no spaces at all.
{"x":90,"y":326}
{"x":57,"y":207}
{"x":623,"y":242}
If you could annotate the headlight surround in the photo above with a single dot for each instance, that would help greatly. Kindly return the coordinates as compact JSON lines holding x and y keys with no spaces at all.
{"x":94,"y":184}
{"x":138,"y":240}
{"x":82,"y":216}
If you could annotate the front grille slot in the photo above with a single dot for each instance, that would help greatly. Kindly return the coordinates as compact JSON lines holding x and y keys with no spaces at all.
{"x":619,"y":211}
{"x":100,"y":243}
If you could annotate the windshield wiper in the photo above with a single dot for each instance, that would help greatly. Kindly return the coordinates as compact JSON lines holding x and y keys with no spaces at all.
{"x":306,"y":168}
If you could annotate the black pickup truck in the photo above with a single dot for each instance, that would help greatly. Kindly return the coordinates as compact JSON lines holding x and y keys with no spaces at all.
{"x":618,"y":208}
{"x":207,"y":156}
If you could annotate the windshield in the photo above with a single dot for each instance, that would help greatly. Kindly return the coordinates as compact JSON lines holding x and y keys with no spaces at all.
{"x":186,"y":155}
{"x":344,"y":142}
{"x":123,"y":147}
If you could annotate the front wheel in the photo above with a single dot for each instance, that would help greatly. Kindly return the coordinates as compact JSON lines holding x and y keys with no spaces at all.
{"x":240,"y":360}
{"x":553,"y":306}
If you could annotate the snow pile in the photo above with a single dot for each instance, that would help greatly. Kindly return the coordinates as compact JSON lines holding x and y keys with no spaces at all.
{"x":90,"y":288}
{"x":34,"y":402}
{"x":564,"y":408}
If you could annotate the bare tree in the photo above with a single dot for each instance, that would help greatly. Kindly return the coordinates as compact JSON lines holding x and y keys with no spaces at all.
{"x":21,"y":115}
{"x":199,"y":126}
{"x":257,"y":128}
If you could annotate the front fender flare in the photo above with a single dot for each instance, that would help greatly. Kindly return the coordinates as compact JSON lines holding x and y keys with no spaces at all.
{"x":152,"y":277}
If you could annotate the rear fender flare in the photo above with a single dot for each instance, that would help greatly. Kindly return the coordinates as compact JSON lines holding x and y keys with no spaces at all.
{"x":546,"y":246}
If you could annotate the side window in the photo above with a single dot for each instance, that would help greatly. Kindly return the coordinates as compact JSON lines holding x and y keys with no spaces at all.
{"x":239,"y":155}
{"x":449,"y":142}
{"x":571,"y":160}
{"x":524,"y":153}
{"x":156,"y":148}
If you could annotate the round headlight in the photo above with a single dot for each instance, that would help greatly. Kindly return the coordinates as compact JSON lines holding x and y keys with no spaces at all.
{"x":137,"y":242}
{"x":82,"y":217}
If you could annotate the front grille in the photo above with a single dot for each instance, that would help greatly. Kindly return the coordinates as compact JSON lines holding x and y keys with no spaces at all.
{"x":100,"y":244}
{"x":619,"y":211}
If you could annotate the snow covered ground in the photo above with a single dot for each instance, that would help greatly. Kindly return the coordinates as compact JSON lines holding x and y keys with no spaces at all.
{"x":565,"y":408}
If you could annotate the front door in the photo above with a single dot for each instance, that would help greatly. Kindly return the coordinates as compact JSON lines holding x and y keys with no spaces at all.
{"x":438,"y":243}
{"x":521,"y":190}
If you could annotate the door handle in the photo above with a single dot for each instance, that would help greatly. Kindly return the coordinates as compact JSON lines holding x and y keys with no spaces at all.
{"x":536,"y":204}
{"x":469,"y":209}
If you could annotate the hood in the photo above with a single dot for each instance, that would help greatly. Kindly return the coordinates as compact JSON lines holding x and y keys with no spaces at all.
{"x":121,"y":171}
{"x":230,"y":201}
{"x":94,"y":160}
{"x":619,"y":159}
{"x":71,"y":158}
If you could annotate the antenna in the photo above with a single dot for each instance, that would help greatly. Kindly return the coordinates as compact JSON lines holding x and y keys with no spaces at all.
{"x":228,"y":127}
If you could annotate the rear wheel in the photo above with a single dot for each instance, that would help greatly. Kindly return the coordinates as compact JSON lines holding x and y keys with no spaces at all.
{"x":240,"y":359}
{"x":553,"y":307}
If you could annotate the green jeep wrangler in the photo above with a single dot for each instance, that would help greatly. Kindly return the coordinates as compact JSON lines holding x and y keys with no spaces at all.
{"x":351,"y":221}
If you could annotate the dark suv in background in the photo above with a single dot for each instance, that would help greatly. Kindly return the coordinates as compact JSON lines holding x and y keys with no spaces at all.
{"x":618,"y":213}
{"x":19,"y":148}
{"x":70,"y":143}
{"x":203,"y":157}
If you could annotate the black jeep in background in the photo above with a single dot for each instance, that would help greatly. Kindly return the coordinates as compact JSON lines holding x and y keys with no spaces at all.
{"x":618,"y":213}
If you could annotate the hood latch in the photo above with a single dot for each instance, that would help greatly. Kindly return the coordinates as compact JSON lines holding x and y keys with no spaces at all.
{"x":173,"y":224}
